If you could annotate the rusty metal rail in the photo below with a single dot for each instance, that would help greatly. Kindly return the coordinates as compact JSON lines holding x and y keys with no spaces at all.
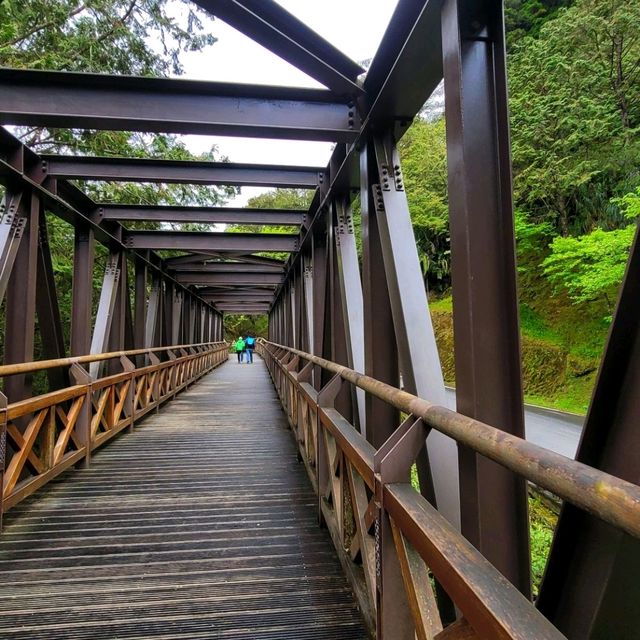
{"x":45,"y":435}
{"x":384,"y":528}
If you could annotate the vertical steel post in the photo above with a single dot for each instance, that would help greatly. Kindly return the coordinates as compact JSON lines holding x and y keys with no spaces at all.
{"x":485,"y":301}
{"x":380,"y":350}
{"x":115,"y":340}
{"x":13,"y":220}
{"x":153,"y":314}
{"x":82,"y":292}
{"x":176,"y":312}
{"x":308,"y":302}
{"x":3,"y":447}
{"x":20,"y":314}
{"x":350,"y":291}
{"x":104,"y":315}
{"x":48,"y":311}
{"x":319,"y":275}
{"x":140,"y":302}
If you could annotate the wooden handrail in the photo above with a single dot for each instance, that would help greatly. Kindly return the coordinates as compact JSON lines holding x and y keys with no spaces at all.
{"x":42,"y":365}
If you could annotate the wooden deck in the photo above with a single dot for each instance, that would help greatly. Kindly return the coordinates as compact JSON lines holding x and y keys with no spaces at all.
{"x":201,"y":524}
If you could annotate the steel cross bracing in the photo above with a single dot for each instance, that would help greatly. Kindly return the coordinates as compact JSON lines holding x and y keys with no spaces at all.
{"x":365,"y":310}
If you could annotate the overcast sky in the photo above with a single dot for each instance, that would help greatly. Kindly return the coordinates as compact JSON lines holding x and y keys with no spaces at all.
{"x":354,"y":26}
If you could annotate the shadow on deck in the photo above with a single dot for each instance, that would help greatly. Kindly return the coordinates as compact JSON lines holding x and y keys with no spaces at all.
{"x":200,"y":524}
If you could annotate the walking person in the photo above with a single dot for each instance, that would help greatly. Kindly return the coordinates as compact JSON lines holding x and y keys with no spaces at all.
{"x":239,"y":347}
{"x":250,"y":345}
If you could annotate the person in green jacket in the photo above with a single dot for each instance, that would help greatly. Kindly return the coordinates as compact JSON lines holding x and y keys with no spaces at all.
{"x":240,"y":347}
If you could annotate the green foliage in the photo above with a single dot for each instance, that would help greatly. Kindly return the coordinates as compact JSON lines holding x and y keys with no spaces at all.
{"x":130,"y":37}
{"x":591,"y":266}
{"x":575,"y":113}
{"x":104,"y":36}
{"x":240,"y":325}
{"x":135,"y":37}
{"x":526,"y":17}
{"x":424,"y":169}
{"x":275,"y":199}
{"x":282,"y":199}
{"x":542,"y":523}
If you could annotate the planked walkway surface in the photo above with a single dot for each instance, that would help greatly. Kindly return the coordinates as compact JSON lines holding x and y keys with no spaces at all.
{"x":201,"y":524}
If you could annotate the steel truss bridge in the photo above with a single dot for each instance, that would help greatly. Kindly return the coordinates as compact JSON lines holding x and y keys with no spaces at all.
{"x":196,"y":522}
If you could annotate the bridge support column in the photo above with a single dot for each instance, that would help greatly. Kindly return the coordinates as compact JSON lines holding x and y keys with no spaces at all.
{"x":350,"y":291}
{"x":106,"y":307}
{"x":380,"y":352}
{"x":82,"y":294}
{"x":48,"y":311}
{"x":140,"y":303}
{"x":485,"y":302}
{"x":21,"y":304}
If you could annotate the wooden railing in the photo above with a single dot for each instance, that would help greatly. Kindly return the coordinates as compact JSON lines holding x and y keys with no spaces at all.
{"x":43,"y":436}
{"x":407,"y":564}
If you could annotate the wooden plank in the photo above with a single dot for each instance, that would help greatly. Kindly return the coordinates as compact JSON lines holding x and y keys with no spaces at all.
{"x":200,"y":523}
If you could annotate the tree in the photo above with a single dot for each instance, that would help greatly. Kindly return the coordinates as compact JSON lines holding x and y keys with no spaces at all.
{"x":592,"y":266}
{"x":526,"y":17}
{"x":130,"y":37}
{"x":135,"y":37}
{"x":575,"y":106}
{"x":424,"y":168}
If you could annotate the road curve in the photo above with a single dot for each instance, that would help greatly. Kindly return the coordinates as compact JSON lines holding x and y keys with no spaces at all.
{"x":555,"y":430}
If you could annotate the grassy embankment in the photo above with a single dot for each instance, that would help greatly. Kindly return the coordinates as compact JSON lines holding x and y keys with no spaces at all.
{"x":557,"y":372}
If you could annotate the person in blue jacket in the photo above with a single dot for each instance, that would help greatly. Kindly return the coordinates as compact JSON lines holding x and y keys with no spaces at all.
{"x":250,"y":345}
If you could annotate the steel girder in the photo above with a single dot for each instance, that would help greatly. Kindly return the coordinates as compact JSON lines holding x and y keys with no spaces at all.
{"x":162,"y":105}
{"x":194,"y":241}
{"x":201,"y":215}
{"x":210,"y":279}
{"x":180,"y":172}
{"x":227,"y":267}
{"x":21,"y":169}
{"x":273,"y":27}
{"x":486,"y":327}
{"x":20,"y":308}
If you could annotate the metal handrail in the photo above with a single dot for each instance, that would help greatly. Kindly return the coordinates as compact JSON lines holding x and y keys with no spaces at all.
{"x":607,"y":497}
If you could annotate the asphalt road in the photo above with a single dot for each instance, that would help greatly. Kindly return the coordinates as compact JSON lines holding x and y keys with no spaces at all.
{"x":547,"y":428}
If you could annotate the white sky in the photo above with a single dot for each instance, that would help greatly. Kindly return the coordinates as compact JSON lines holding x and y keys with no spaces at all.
{"x":354,"y":26}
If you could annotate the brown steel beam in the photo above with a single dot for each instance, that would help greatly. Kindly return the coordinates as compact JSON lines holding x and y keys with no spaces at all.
{"x":48,"y":311}
{"x":269,"y":24}
{"x":211,"y":279}
{"x":200,"y":215}
{"x":21,"y":169}
{"x":112,"y":169}
{"x":486,"y":324}
{"x":123,"y":103}
{"x":380,"y":348}
{"x":195,"y":241}
{"x":20,"y":310}
{"x":82,"y":291}
{"x":226,"y":267}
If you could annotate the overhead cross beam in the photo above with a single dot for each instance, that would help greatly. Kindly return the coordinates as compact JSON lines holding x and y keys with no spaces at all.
{"x":164,"y":105}
{"x":227,"y":267}
{"x":181,"y":171}
{"x":228,"y":278}
{"x":195,"y":241}
{"x":201,"y":215}
{"x":272,"y":26}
